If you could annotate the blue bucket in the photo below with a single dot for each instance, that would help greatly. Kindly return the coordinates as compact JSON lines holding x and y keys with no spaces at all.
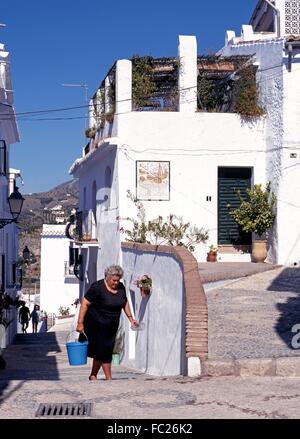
{"x":77,"y":352}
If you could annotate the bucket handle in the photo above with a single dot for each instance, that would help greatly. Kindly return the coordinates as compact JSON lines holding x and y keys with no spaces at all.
{"x":77,"y":333}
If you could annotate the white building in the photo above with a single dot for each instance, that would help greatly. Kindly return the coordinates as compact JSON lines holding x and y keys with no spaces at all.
{"x":9,"y":233}
{"x":204,"y":155}
{"x":58,"y":283}
{"x":277,"y":55}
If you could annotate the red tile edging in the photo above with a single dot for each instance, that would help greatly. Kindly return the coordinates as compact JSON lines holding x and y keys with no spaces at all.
{"x":196,"y":330}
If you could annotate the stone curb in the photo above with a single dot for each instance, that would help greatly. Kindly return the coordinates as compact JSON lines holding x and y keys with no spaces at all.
{"x":249,"y":367}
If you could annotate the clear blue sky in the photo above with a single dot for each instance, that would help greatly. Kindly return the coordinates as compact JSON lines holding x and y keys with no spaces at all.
{"x":52,"y":42}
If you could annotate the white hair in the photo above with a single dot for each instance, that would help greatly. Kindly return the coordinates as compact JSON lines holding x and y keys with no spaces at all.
{"x":114,"y":270}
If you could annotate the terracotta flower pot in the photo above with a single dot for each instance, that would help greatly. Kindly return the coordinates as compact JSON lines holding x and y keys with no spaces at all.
{"x":86,"y":237}
{"x":211,"y":256}
{"x":259,"y":250}
{"x":145,"y":291}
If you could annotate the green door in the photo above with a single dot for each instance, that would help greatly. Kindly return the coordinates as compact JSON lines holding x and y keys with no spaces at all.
{"x":229,"y":181}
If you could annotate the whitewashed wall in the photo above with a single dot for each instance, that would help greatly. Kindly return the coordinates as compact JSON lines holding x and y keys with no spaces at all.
{"x":279,"y":91}
{"x":9,"y":234}
{"x":196,"y":145}
{"x":289,"y":191}
{"x":95,"y":171}
{"x":159,"y":349}
{"x":55,"y":289}
{"x":9,"y":245}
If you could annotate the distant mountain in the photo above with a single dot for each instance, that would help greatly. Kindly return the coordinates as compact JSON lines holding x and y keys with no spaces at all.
{"x":37,"y":211}
{"x":37,"y":205}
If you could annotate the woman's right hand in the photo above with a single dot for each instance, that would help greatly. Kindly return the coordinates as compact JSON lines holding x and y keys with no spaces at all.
{"x":80,"y":327}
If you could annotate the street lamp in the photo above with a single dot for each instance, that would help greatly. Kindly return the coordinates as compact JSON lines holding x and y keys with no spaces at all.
{"x":28,"y":259}
{"x":15,"y":202}
{"x":26,"y":254}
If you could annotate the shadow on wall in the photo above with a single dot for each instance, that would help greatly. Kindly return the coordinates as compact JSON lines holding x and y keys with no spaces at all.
{"x":26,"y":359}
{"x":287,"y":281}
{"x":139,"y":315}
{"x":140,"y":312}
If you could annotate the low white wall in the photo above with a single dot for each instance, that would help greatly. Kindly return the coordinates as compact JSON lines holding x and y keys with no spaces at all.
{"x":159,"y":349}
{"x":55,"y":289}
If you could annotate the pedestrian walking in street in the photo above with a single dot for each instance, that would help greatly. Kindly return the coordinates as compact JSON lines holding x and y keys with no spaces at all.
{"x":99,"y":317}
{"x":35,"y":317}
{"x":24,"y":317}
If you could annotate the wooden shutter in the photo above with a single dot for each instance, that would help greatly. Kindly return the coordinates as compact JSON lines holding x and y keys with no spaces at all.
{"x":230,"y":180}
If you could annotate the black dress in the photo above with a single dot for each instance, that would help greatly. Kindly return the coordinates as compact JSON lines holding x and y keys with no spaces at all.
{"x":101,"y":320}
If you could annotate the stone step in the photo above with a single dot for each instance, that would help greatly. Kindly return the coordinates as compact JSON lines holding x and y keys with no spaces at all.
{"x":282,"y":367}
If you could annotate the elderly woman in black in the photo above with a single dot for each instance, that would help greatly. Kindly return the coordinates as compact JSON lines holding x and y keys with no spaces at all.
{"x":99,"y":317}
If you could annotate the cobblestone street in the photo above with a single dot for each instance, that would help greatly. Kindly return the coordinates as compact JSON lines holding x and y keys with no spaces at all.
{"x":38,"y":371}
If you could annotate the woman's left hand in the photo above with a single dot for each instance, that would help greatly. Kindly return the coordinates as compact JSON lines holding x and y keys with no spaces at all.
{"x":134,"y":323}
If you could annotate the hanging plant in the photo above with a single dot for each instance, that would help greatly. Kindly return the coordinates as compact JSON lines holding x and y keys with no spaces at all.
{"x":143,"y":85}
{"x":99,"y":107}
{"x":109,"y":117}
{"x":221,"y":91}
{"x":102,"y":121}
{"x":91,"y":132}
{"x":246,"y":94}
{"x":111,"y":94}
{"x":206,"y":94}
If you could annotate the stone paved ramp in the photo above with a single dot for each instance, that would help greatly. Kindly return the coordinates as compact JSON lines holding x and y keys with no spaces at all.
{"x":252,"y":318}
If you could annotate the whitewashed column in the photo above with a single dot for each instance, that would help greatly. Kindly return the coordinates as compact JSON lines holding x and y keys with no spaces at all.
{"x":229,"y":37}
{"x":124,"y":86}
{"x":91,"y":116}
{"x":247,"y":32}
{"x":188,"y":73}
{"x":107,"y":101}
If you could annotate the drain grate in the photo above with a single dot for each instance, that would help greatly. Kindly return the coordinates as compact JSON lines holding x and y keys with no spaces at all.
{"x":63,"y":410}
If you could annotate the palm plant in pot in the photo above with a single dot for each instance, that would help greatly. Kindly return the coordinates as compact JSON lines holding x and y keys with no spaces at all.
{"x":256,"y":215}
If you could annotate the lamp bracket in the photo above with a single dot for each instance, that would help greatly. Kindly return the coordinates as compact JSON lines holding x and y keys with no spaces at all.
{"x":4,"y":222}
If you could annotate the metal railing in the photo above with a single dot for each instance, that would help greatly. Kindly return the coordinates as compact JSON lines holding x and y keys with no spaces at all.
{"x":82,"y":226}
{"x":51,"y":320}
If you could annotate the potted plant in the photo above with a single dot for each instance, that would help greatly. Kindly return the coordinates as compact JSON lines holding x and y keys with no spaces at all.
{"x":144,"y":283}
{"x":64,"y":311}
{"x":212,"y":253}
{"x":91,"y":132}
{"x":256,"y":215}
{"x":86,"y":237}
